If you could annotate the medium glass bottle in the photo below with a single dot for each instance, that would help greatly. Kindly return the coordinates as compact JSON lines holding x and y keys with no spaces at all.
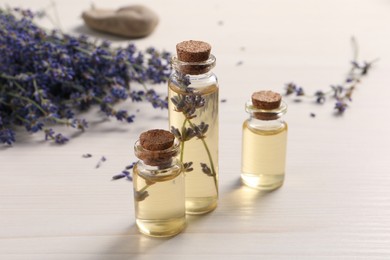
{"x":159,"y":188}
{"x":264,"y":141}
{"x":193,"y":119}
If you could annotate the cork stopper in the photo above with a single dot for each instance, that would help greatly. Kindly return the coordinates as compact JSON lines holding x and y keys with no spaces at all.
{"x":267,"y":100}
{"x":156,"y":147}
{"x":197,"y":55}
{"x":193,"y":51}
{"x":156,"y":139}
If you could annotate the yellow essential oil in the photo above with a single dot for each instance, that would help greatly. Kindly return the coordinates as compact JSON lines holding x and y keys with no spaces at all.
{"x":162,"y":212}
{"x":264,"y":141}
{"x":201,"y":189}
{"x":263,"y":168}
{"x":193,"y":119}
{"x":158,"y":185}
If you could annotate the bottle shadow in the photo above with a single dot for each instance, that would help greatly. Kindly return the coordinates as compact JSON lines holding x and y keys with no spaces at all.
{"x":236,"y":198}
{"x":239,"y":197}
{"x":249,"y":192}
{"x":192,"y":220}
{"x":131,"y":244}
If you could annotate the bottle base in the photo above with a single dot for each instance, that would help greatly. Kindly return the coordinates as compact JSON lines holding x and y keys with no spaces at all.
{"x":262,"y":181}
{"x":199,"y":206}
{"x":161,"y":228}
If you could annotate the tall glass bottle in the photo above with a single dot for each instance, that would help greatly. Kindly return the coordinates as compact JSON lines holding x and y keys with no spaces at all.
{"x":193,"y":119}
{"x":159,"y":188}
{"x":264,"y":141}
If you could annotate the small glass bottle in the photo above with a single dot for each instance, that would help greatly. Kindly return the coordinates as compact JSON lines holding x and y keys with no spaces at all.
{"x":159,"y":188}
{"x":264,"y":141}
{"x":193,"y":119}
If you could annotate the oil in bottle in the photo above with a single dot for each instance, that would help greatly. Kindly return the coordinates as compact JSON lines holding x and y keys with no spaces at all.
{"x":159,"y":188}
{"x":264,"y":140}
{"x":193,"y":118}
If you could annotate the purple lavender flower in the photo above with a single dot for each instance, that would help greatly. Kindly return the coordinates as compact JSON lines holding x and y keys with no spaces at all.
{"x":121,"y":175}
{"x":156,"y":100}
{"x":137,"y":95}
{"x":125,"y":173}
{"x":320,"y":97}
{"x":119,"y":92}
{"x":34,"y":127}
{"x":299,"y":91}
{"x":131,"y":166}
{"x":100,"y":162}
{"x":122,"y":115}
{"x":340,"y":106}
{"x":49,"y":134}
{"x":7,"y":136}
{"x":60,"y":139}
{"x":293,"y":88}
{"x":79,"y":124}
{"x":290,"y":88}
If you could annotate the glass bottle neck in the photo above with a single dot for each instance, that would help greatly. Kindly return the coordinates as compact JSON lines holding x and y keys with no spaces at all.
{"x":266,"y":119}
{"x":191,"y":79}
{"x":194,"y":75}
{"x":163,"y":167}
{"x":159,"y":159}
{"x":193,"y":68}
{"x":158,"y":173}
{"x":265,"y":124}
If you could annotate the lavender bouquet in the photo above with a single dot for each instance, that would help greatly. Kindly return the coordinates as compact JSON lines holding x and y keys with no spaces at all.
{"x":47,"y":77}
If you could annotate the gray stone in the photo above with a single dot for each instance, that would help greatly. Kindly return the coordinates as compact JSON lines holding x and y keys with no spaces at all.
{"x":132,"y":21}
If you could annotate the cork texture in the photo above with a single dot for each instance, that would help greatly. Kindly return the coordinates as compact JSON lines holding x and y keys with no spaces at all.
{"x":266,"y":100}
{"x":156,"y":140}
{"x":193,"y":51}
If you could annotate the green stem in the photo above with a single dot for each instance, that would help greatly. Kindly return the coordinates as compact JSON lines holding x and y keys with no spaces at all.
{"x":14,"y":79}
{"x":211,"y":163}
{"x":6,"y":104}
{"x":182,"y":141}
{"x":144,"y":188}
{"x":101,"y":102}
{"x":210,"y":157}
{"x":21,"y":119}
{"x":5,"y":76}
{"x":60,"y":121}
{"x":29,"y":100}
{"x":181,"y":150}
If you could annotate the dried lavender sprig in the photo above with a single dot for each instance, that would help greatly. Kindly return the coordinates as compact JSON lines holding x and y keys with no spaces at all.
{"x":187,"y":104}
{"x":100,"y":162}
{"x":125,"y":173}
{"x":342,"y":93}
{"x":46,"y":77}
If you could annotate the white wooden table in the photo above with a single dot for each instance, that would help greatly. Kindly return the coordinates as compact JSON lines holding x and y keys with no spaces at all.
{"x":335,"y":203}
